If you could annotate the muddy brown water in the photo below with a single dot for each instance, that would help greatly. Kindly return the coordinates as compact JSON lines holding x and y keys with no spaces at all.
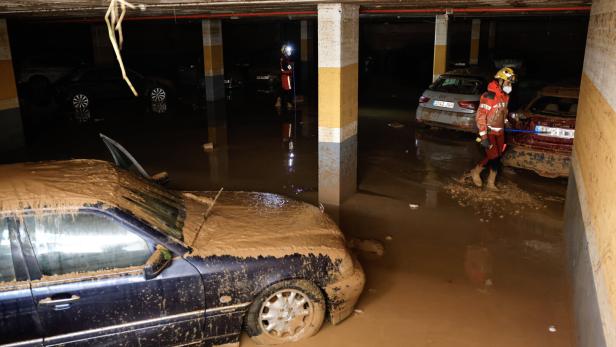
{"x":452,"y":274}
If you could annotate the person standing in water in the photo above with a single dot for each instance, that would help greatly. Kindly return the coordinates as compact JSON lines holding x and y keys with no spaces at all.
{"x":490,"y":119}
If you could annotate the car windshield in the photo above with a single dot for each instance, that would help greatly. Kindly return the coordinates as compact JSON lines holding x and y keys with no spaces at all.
{"x":458,"y":85}
{"x":163,"y":209}
{"x":555,"y":106}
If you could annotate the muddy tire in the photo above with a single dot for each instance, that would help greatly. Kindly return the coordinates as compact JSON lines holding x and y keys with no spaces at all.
{"x":285,"y":312}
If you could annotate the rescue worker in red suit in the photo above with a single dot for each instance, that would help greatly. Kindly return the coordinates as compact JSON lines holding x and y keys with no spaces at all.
{"x":491,"y":117}
{"x":286,"y":80}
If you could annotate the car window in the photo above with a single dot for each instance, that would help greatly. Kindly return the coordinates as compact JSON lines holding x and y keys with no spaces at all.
{"x":84,"y":242}
{"x":166,"y":209}
{"x":555,"y":106}
{"x":7,"y":272}
{"x":457,"y":85}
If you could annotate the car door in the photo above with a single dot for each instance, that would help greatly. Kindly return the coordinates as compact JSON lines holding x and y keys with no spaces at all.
{"x":92,"y":288}
{"x":19,"y":323}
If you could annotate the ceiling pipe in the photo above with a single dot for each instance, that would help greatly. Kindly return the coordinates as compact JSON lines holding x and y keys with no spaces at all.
{"x":361,"y":11}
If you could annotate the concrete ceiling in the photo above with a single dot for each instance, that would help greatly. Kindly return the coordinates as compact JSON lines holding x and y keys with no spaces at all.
{"x":95,"y":8}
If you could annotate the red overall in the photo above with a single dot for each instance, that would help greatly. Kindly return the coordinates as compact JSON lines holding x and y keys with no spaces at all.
{"x":490,"y":120}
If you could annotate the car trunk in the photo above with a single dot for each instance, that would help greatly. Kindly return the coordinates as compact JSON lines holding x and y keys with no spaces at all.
{"x":553,"y":133}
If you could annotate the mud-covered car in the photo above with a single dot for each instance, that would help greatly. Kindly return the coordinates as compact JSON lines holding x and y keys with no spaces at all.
{"x":541,"y":135}
{"x":452,"y":100}
{"x":92,"y":254}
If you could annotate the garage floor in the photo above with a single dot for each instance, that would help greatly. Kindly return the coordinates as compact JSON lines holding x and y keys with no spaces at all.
{"x":451,"y":275}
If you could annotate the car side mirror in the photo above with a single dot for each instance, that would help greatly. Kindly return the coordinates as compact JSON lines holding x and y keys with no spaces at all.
{"x":158,"y":261}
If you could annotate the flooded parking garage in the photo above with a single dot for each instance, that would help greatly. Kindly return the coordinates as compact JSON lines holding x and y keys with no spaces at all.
{"x":445,"y":263}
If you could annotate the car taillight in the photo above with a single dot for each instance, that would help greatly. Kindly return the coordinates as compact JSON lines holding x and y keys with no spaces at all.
{"x":469,"y":105}
{"x":423,"y":99}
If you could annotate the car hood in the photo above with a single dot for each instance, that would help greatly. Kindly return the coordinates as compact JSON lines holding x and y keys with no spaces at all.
{"x":251,"y":224}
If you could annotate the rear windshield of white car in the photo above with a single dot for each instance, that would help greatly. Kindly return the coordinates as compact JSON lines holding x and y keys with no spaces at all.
{"x":555,"y":106}
{"x":458,"y":85}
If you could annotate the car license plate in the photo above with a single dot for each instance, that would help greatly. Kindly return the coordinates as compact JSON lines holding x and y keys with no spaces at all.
{"x":555,"y":132}
{"x":263,"y":77}
{"x":446,"y":104}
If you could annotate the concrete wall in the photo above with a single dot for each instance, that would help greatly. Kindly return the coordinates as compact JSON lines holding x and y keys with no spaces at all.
{"x":590,"y":216}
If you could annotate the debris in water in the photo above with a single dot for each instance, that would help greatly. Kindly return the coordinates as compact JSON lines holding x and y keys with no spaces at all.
{"x":368,"y":246}
{"x":552,"y":329}
{"x":208,"y":147}
{"x":388,"y":238}
{"x":490,"y":204}
{"x":413,"y":206}
{"x":371,"y":290}
{"x":395,"y":125}
{"x":358,"y":311}
{"x":489,"y":283}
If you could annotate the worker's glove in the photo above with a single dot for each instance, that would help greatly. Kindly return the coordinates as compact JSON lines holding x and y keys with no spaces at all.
{"x":485,"y":143}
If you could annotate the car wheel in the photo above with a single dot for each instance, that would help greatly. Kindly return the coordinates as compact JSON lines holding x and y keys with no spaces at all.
{"x":287,"y":311}
{"x":158,"y":95}
{"x":80,"y":101}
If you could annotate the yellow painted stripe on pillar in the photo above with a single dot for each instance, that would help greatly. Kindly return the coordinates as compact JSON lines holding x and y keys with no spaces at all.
{"x":8,"y":89}
{"x":338,"y":96}
{"x":213,"y":60}
{"x":440,"y":59}
{"x":595,"y":152}
{"x":595,"y":147}
{"x":474,"y":51}
{"x":475,"y":35}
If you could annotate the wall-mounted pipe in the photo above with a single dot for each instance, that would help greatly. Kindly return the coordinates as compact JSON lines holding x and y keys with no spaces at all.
{"x":399,"y":11}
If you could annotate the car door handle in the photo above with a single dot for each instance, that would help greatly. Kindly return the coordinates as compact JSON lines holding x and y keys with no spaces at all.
{"x":57,"y":302}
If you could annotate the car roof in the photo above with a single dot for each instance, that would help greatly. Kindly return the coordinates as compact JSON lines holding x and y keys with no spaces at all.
{"x":54,"y":184}
{"x":561,"y":91}
{"x":469,"y":72}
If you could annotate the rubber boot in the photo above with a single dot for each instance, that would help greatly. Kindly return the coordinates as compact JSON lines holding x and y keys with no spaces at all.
{"x":277,"y":104}
{"x":491,"y":180}
{"x":476,"y":175}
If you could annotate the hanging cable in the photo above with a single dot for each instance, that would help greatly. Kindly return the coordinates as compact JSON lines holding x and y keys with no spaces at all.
{"x":114,"y":16}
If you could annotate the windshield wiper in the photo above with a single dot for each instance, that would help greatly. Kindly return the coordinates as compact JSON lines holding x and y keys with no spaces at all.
{"x":205,"y":217}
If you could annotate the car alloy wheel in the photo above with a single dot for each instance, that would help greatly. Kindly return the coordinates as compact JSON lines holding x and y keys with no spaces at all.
{"x":80,"y":101}
{"x":158,"y":94}
{"x":286,"y":313}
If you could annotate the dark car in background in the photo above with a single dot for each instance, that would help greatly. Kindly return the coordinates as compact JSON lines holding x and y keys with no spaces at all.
{"x":452,"y":100}
{"x":92,"y":254}
{"x":87,"y":86}
{"x":542,"y":133}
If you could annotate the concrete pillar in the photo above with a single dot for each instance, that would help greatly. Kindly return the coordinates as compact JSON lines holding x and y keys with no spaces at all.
{"x":338,"y":35}
{"x":11,"y":128}
{"x":475,"y":34}
{"x":212,"y":60}
{"x":492,"y":37}
{"x":440,"y":46}
{"x":102,"y":51}
{"x":590,"y":211}
{"x":217,"y":134}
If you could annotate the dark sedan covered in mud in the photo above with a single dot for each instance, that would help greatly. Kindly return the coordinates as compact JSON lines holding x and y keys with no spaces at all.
{"x":91,"y":254}
{"x":542,"y":133}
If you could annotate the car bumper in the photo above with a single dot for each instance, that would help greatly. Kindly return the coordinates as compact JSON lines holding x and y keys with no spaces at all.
{"x":543,"y":162}
{"x":447,"y":119}
{"x":343,"y":295}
